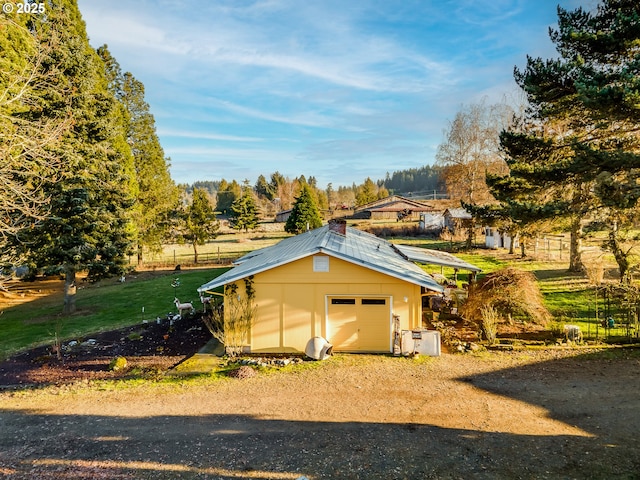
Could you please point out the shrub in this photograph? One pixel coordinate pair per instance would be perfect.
(557, 329)
(231, 323)
(117, 364)
(134, 336)
(490, 321)
(511, 293)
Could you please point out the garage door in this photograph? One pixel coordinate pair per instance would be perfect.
(359, 324)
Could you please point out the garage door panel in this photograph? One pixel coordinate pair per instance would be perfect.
(375, 323)
(359, 323)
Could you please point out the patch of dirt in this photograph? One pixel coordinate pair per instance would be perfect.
(149, 349)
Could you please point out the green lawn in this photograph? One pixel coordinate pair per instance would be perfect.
(103, 306)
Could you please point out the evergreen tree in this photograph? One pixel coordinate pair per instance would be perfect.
(367, 192)
(304, 214)
(580, 150)
(200, 223)
(88, 226)
(244, 212)
(227, 194)
(425, 179)
(263, 188)
(29, 140)
(156, 194)
(276, 183)
(331, 197)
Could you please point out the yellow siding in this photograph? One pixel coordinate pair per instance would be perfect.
(292, 302)
(298, 318)
(265, 332)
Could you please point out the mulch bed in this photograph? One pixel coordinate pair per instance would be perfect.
(150, 349)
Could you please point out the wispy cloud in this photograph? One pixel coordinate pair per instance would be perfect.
(322, 86)
(167, 132)
(309, 119)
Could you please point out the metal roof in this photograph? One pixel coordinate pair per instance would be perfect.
(436, 257)
(357, 247)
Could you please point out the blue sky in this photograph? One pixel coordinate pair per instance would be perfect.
(332, 89)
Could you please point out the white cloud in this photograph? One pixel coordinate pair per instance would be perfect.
(164, 132)
(309, 119)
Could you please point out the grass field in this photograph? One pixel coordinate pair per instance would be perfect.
(103, 306)
(224, 249)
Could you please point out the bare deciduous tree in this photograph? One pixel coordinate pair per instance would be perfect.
(471, 149)
(28, 136)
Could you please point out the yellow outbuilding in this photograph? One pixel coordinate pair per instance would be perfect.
(352, 288)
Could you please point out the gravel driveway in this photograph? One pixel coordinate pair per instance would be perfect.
(548, 414)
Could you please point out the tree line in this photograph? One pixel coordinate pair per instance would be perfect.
(84, 182)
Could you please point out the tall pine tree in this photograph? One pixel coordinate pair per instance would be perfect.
(88, 227)
(244, 212)
(580, 149)
(156, 195)
(200, 223)
(28, 139)
(304, 214)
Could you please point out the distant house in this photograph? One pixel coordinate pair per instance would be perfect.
(456, 219)
(393, 208)
(431, 221)
(283, 216)
(494, 238)
(335, 282)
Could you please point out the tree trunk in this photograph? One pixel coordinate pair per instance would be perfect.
(575, 246)
(69, 290)
(195, 252)
(139, 255)
(622, 258)
(523, 253)
(470, 234)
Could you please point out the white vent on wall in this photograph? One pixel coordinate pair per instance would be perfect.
(321, 263)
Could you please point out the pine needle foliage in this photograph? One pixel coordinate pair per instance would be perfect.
(305, 214)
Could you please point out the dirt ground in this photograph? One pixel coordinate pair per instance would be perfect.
(543, 414)
(150, 350)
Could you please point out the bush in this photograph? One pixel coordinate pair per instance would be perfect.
(231, 323)
(512, 293)
(556, 329)
(490, 321)
(134, 336)
(117, 364)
